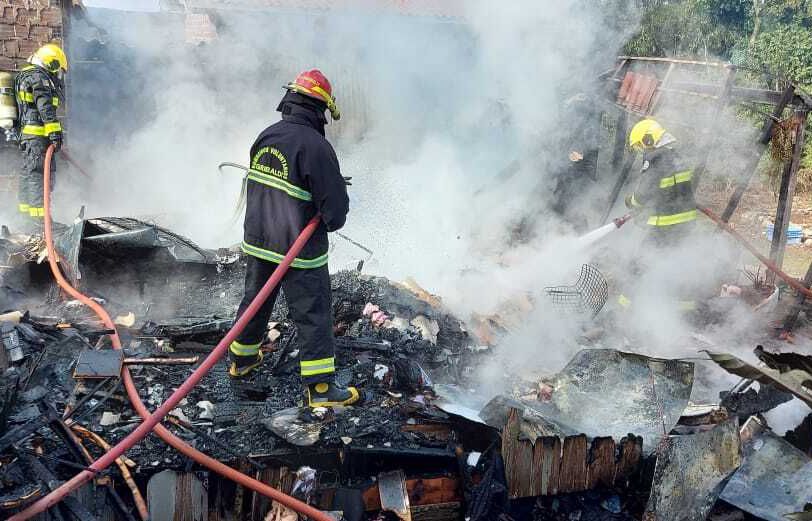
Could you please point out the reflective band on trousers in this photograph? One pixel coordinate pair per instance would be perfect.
(322, 366)
(280, 184)
(40, 130)
(679, 177)
(668, 220)
(272, 256)
(243, 349)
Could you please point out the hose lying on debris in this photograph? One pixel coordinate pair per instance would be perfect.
(791, 281)
(152, 422)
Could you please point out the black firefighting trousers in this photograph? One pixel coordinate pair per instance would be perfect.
(31, 185)
(309, 299)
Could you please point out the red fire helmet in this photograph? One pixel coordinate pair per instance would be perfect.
(314, 84)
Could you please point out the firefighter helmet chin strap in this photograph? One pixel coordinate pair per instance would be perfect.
(321, 94)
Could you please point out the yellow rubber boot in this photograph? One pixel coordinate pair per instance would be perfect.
(330, 395)
(243, 365)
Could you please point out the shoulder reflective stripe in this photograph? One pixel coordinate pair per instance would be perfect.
(243, 349)
(55, 101)
(279, 184)
(679, 177)
(272, 256)
(314, 367)
(25, 96)
(34, 130)
(50, 128)
(668, 220)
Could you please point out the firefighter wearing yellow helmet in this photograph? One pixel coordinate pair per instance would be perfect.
(39, 88)
(664, 198)
(665, 190)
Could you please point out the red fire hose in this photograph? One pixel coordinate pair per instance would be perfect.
(152, 421)
(791, 281)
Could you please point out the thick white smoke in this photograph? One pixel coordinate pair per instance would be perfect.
(451, 130)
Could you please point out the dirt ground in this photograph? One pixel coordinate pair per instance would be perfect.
(756, 211)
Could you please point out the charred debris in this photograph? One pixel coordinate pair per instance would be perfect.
(611, 436)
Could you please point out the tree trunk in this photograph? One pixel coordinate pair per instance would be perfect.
(756, 22)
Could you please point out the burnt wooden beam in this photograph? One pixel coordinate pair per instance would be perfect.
(547, 457)
(573, 473)
(673, 60)
(755, 157)
(737, 94)
(787, 191)
(518, 457)
(602, 463)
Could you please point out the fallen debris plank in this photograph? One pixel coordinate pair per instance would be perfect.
(573, 474)
(631, 453)
(422, 492)
(691, 471)
(393, 494)
(518, 457)
(279, 478)
(438, 512)
(547, 461)
(177, 496)
(602, 463)
(775, 479)
(795, 381)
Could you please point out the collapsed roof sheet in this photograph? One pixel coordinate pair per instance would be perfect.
(775, 479)
(787, 371)
(603, 392)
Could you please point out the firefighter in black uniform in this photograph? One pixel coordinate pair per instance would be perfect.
(665, 194)
(294, 175)
(38, 87)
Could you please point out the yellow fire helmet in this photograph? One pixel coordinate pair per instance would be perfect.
(50, 57)
(645, 134)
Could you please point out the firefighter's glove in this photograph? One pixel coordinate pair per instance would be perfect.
(628, 201)
(347, 181)
(56, 140)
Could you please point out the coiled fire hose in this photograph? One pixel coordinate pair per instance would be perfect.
(791, 281)
(152, 421)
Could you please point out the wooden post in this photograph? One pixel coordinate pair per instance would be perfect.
(788, 181)
(752, 163)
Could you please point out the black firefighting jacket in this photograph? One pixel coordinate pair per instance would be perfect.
(665, 188)
(294, 175)
(37, 101)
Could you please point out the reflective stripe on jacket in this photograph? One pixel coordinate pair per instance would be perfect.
(665, 188)
(294, 175)
(37, 101)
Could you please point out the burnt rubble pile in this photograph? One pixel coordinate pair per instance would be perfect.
(611, 436)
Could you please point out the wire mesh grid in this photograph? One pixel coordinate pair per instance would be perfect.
(587, 296)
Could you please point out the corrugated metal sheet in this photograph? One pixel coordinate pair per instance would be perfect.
(637, 91)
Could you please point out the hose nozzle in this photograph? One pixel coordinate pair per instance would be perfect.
(620, 221)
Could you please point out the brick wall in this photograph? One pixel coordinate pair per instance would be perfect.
(24, 26)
